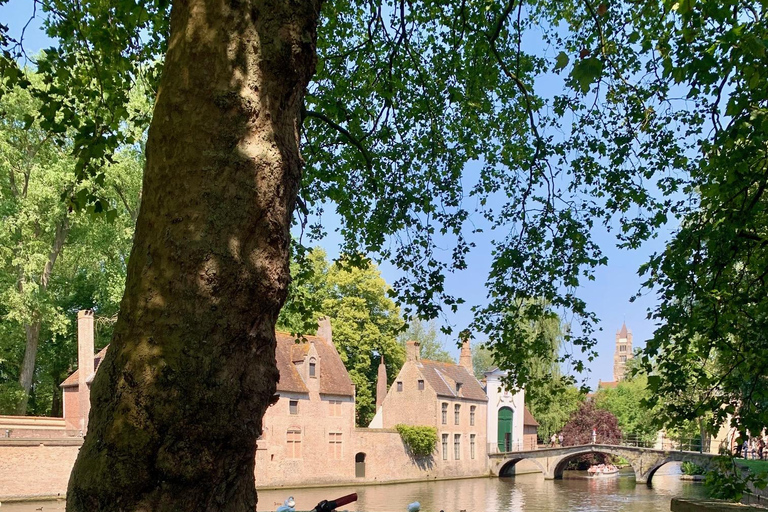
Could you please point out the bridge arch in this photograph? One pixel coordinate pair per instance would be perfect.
(552, 461)
(508, 468)
(656, 467)
(557, 472)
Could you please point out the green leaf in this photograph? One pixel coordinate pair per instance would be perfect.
(586, 72)
(561, 61)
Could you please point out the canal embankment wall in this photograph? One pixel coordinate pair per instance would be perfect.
(372, 456)
(40, 468)
(36, 468)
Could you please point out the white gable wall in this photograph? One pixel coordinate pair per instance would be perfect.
(498, 397)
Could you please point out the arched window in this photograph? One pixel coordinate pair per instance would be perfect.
(312, 368)
(360, 465)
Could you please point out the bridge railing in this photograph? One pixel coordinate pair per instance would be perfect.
(660, 443)
(509, 446)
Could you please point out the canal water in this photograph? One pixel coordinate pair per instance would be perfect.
(523, 493)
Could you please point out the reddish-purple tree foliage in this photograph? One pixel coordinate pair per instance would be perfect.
(578, 430)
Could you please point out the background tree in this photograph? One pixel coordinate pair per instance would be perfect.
(579, 428)
(53, 260)
(710, 277)
(482, 360)
(554, 412)
(365, 322)
(628, 403)
(431, 345)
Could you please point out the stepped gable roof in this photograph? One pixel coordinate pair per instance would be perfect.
(72, 380)
(334, 379)
(528, 419)
(442, 377)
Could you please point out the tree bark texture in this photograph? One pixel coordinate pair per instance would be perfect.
(178, 401)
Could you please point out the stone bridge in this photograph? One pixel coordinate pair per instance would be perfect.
(552, 461)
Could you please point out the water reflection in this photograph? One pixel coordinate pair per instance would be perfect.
(523, 493)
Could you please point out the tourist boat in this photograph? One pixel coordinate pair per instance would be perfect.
(601, 470)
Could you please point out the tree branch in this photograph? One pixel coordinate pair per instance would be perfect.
(351, 138)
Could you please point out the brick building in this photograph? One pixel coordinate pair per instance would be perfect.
(311, 427)
(448, 397)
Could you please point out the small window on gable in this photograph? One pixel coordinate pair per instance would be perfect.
(458, 387)
(293, 407)
(399, 386)
(312, 368)
(421, 385)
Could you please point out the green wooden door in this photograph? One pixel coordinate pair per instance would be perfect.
(505, 429)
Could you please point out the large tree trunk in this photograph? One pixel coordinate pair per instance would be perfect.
(178, 401)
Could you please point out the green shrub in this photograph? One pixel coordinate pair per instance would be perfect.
(726, 480)
(689, 468)
(418, 439)
(11, 395)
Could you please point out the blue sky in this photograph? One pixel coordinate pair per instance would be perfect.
(608, 295)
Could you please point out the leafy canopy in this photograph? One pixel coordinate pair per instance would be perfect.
(428, 122)
(55, 260)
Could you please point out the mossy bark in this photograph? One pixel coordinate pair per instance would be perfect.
(178, 401)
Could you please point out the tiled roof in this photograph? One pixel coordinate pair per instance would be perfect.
(334, 379)
(72, 380)
(442, 377)
(528, 419)
(608, 384)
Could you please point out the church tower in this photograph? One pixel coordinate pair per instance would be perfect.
(623, 352)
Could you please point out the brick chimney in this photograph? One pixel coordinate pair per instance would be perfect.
(84, 363)
(465, 359)
(324, 329)
(381, 383)
(412, 349)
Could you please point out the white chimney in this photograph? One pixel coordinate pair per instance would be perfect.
(84, 363)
